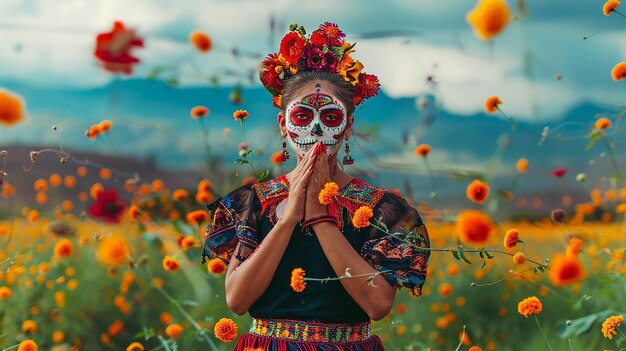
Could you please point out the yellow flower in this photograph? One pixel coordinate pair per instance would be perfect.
(491, 104)
(351, 73)
(529, 306)
(361, 218)
(226, 330)
(328, 192)
(488, 18)
(113, 251)
(610, 324)
(297, 280)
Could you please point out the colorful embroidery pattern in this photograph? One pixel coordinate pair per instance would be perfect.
(302, 331)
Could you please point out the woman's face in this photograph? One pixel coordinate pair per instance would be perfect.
(315, 114)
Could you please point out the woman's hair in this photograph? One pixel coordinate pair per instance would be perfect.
(342, 88)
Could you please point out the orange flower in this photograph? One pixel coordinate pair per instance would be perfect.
(491, 104)
(171, 263)
(619, 71)
(11, 108)
(511, 238)
(63, 248)
(474, 227)
(216, 266)
(204, 197)
(58, 336)
(519, 258)
(297, 280)
(488, 18)
(603, 123)
(445, 289)
(5, 292)
(240, 115)
(610, 324)
(573, 247)
(201, 41)
(133, 212)
(422, 150)
(609, 7)
(328, 192)
(522, 165)
(165, 318)
(475, 348)
(621, 208)
(225, 330)
(27, 345)
(29, 326)
(135, 346)
(566, 270)
(188, 241)
(477, 191)
(361, 218)
(113, 251)
(199, 112)
(277, 158)
(40, 185)
(174, 330)
(197, 216)
(529, 306)
(105, 126)
(180, 194)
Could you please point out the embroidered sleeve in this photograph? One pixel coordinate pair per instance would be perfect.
(401, 252)
(233, 221)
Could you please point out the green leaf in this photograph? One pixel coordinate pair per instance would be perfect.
(487, 254)
(462, 254)
(482, 254)
(456, 255)
(263, 175)
(582, 325)
(241, 161)
(484, 263)
(155, 72)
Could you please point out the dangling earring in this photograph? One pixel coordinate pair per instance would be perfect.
(284, 155)
(347, 159)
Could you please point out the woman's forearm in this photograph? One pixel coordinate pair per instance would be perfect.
(377, 300)
(246, 281)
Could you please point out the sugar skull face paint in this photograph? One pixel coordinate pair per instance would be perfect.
(316, 117)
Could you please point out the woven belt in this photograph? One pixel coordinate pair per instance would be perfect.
(303, 331)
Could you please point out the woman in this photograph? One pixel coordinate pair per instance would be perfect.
(264, 231)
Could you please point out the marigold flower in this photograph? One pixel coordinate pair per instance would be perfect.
(216, 266)
(188, 241)
(610, 6)
(603, 123)
(226, 330)
(610, 324)
(519, 258)
(174, 330)
(491, 104)
(197, 216)
(619, 71)
(199, 112)
(529, 306)
(474, 227)
(133, 212)
(113, 251)
(201, 41)
(29, 326)
(58, 336)
(105, 126)
(297, 280)
(277, 158)
(11, 108)
(27, 345)
(240, 115)
(566, 270)
(291, 47)
(361, 218)
(5, 292)
(477, 191)
(522, 165)
(621, 208)
(445, 289)
(135, 346)
(573, 247)
(328, 192)
(171, 263)
(488, 18)
(204, 197)
(63, 248)
(511, 238)
(423, 150)
(475, 348)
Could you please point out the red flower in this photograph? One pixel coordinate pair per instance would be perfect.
(328, 34)
(108, 206)
(559, 172)
(269, 77)
(113, 49)
(367, 87)
(291, 47)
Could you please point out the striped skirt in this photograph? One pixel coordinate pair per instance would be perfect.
(295, 335)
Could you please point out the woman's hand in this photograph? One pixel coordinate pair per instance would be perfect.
(321, 176)
(298, 181)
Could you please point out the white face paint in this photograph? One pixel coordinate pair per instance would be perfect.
(316, 117)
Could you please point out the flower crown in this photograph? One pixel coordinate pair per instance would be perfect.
(324, 50)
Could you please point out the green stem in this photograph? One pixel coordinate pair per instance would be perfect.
(461, 341)
(243, 131)
(569, 335)
(432, 176)
(542, 333)
(346, 276)
(164, 343)
(608, 146)
(205, 140)
(11, 347)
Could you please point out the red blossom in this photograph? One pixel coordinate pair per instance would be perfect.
(269, 77)
(291, 47)
(113, 49)
(328, 34)
(108, 206)
(367, 87)
(559, 172)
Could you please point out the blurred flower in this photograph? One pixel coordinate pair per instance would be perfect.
(5, 292)
(511, 238)
(609, 7)
(188, 241)
(225, 330)
(171, 263)
(474, 227)
(529, 306)
(240, 115)
(361, 218)
(243, 146)
(488, 18)
(621, 208)
(328, 192)
(558, 215)
(477, 191)
(619, 71)
(204, 197)
(297, 280)
(58, 336)
(204, 185)
(475, 348)
(108, 206)
(197, 217)
(201, 41)
(199, 112)
(277, 158)
(11, 108)
(135, 346)
(113, 251)
(580, 177)
(522, 165)
(63, 248)
(610, 324)
(165, 318)
(559, 172)
(216, 266)
(174, 330)
(96, 129)
(519, 258)
(29, 326)
(566, 270)
(603, 123)
(227, 131)
(445, 289)
(491, 104)
(27, 345)
(60, 229)
(423, 150)
(574, 246)
(113, 49)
